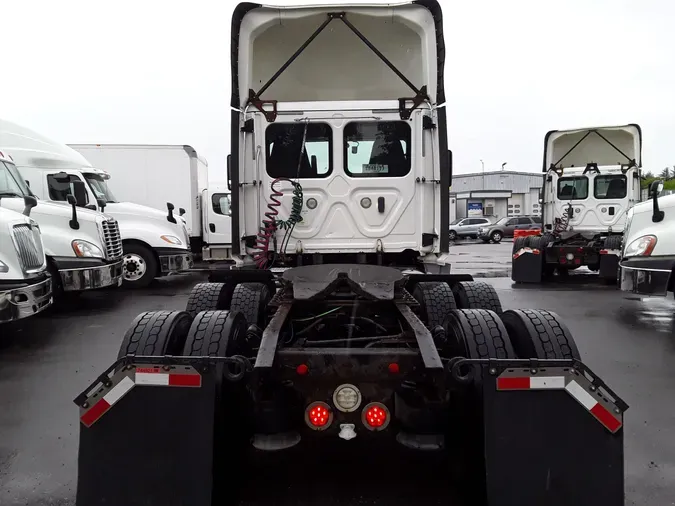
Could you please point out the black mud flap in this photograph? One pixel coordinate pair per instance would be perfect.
(527, 265)
(609, 265)
(552, 438)
(146, 437)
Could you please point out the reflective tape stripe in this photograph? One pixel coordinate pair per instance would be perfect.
(547, 382)
(522, 251)
(119, 390)
(95, 412)
(160, 378)
(581, 395)
(143, 378)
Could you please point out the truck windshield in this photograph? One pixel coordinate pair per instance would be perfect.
(573, 188)
(100, 187)
(11, 184)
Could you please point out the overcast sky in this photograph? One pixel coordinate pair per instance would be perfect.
(149, 71)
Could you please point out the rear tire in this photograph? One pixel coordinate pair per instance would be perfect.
(252, 299)
(436, 301)
(536, 333)
(156, 333)
(209, 297)
(518, 244)
(478, 333)
(613, 242)
(476, 295)
(139, 266)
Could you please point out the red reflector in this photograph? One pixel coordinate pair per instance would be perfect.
(513, 383)
(581, 250)
(96, 412)
(563, 260)
(302, 369)
(605, 417)
(376, 417)
(577, 261)
(185, 380)
(393, 368)
(318, 415)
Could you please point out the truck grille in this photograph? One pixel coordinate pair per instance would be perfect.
(113, 240)
(29, 247)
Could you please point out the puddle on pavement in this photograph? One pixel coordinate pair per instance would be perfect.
(651, 313)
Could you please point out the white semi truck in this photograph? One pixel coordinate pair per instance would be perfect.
(83, 247)
(648, 252)
(592, 177)
(25, 284)
(365, 339)
(155, 243)
(137, 173)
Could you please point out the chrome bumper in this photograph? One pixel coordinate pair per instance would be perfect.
(176, 263)
(645, 281)
(25, 301)
(91, 278)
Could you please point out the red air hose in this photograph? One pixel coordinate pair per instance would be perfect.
(269, 226)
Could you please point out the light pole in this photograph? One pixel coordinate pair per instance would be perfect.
(483, 164)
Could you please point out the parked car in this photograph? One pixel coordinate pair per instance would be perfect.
(466, 227)
(507, 226)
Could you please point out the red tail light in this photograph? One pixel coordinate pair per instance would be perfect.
(318, 415)
(375, 416)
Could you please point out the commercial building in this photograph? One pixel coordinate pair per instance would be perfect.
(495, 194)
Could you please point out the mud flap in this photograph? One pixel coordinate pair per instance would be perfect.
(551, 438)
(147, 437)
(527, 266)
(609, 265)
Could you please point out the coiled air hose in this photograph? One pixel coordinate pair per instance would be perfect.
(266, 233)
(562, 224)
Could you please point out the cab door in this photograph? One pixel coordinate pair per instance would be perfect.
(217, 216)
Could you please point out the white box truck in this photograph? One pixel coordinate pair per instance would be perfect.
(156, 174)
(155, 243)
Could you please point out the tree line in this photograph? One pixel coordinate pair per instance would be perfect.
(667, 174)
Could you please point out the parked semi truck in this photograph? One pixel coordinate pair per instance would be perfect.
(648, 253)
(591, 180)
(155, 243)
(365, 332)
(83, 248)
(25, 284)
(138, 171)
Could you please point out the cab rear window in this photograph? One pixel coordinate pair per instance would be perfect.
(284, 145)
(377, 148)
(573, 188)
(610, 187)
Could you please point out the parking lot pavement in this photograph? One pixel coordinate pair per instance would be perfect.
(484, 260)
(47, 361)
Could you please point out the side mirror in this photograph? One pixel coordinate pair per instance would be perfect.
(101, 203)
(80, 192)
(314, 164)
(655, 188)
(170, 207)
(29, 203)
(73, 203)
(181, 211)
(229, 172)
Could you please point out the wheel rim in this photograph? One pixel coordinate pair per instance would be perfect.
(496, 236)
(453, 236)
(134, 267)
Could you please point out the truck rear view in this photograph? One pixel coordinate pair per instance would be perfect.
(341, 320)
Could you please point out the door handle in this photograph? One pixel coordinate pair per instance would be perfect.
(380, 204)
(212, 227)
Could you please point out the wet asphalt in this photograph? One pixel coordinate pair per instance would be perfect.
(46, 361)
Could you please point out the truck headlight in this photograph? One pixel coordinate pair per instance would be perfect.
(171, 239)
(86, 249)
(3, 267)
(641, 247)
